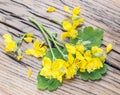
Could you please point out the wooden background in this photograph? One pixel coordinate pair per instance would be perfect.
(14, 15)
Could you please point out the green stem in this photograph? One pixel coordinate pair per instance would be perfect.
(40, 27)
(61, 45)
(59, 41)
(64, 56)
(19, 42)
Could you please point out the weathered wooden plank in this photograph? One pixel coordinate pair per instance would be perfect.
(14, 20)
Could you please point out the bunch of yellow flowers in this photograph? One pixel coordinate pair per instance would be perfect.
(70, 25)
(81, 55)
(87, 60)
(77, 59)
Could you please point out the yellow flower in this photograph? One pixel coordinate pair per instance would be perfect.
(76, 11)
(70, 27)
(10, 45)
(71, 49)
(90, 60)
(58, 69)
(96, 50)
(19, 57)
(53, 70)
(70, 30)
(88, 55)
(70, 34)
(73, 33)
(66, 9)
(38, 50)
(94, 64)
(109, 48)
(66, 25)
(46, 69)
(79, 56)
(72, 67)
(65, 35)
(50, 9)
(29, 73)
(7, 36)
(28, 37)
(77, 22)
(80, 48)
(83, 65)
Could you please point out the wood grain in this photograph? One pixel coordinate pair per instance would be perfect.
(14, 16)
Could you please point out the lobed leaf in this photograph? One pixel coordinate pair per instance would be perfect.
(45, 83)
(96, 75)
(94, 36)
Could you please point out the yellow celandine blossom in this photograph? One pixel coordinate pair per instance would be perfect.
(70, 27)
(54, 69)
(67, 9)
(98, 52)
(109, 48)
(80, 48)
(77, 22)
(28, 37)
(50, 9)
(76, 11)
(94, 64)
(38, 50)
(29, 73)
(10, 45)
(88, 60)
(70, 34)
(70, 30)
(71, 49)
(19, 57)
(66, 25)
(72, 67)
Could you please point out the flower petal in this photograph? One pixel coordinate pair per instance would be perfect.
(50, 9)
(29, 73)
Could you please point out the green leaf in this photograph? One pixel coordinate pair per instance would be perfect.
(45, 83)
(84, 76)
(94, 36)
(56, 53)
(42, 82)
(96, 75)
(65, 51)
(104, 69)
(74, 41)
(54, 85)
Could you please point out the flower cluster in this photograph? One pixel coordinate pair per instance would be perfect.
(10, 44)
(39, 49)
(70, 25)
(77, 59)
(87, 60)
